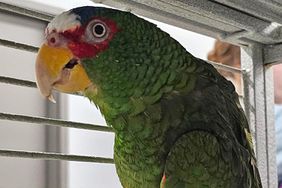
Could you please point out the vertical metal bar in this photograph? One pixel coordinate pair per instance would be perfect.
(248, 99)
(270, 126)
(56, 171)
(63, 142)
(258, 90)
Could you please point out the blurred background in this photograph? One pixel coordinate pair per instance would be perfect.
(26, 173)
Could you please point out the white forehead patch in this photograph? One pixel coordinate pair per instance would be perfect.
(63, 22)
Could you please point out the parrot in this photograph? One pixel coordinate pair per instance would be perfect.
(177, 122)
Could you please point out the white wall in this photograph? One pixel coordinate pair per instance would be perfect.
(20, 173)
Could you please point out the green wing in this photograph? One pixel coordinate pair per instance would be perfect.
(199, 160)
(215, 151)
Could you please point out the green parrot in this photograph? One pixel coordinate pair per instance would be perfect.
(177, 122)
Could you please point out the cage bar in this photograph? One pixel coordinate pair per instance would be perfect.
(53, 122)
(19, 46)
(260, 103)
(54, 156)
(18, 82)
(12, 9)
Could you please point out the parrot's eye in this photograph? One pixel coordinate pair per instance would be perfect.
(97, 31)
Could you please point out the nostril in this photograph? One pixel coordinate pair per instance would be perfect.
(52, 40)
(71, 64)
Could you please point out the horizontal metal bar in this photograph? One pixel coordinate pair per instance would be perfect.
(229, 69)
(163, 16)
(206, 13)
(217, 11)
(26, 12)
(17, 45)
(53, 122)
(24, 83)
(226, 67)
(235, 35)
(15, 81)
(273, 54)
(261, 9)
(276, 3)
(54, 156)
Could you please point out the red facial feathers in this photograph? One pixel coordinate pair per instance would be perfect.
(81, 47)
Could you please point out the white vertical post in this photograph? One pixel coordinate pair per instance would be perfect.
(56, 141)
(259, 101)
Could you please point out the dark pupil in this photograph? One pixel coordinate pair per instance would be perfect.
(99, 30)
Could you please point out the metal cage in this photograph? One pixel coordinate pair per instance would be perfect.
(255, 25)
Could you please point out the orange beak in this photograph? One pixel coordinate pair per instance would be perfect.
(57, 68)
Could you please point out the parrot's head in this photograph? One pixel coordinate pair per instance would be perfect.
(71, 37)
(112, 54)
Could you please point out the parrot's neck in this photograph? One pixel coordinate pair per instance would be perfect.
(138, 136)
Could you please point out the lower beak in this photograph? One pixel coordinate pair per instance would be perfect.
(57, 68)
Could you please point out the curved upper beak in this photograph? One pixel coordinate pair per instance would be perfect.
(57, 68)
